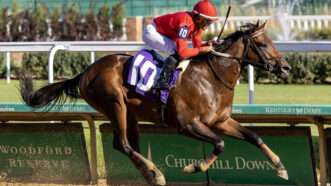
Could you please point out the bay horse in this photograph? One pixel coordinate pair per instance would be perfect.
(199, 106)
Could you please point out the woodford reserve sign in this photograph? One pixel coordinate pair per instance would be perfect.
(241, 163)
(49, 153)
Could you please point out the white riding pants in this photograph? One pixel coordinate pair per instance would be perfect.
(156, 41)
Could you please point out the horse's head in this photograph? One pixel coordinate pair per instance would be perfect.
(259, 50)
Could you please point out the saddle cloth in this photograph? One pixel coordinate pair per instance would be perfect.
(144, 72)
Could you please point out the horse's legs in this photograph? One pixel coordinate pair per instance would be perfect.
(132, 134)
(200, 131)
(118, 116)
(232, 128)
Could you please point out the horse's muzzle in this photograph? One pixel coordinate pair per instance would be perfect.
(285, 70)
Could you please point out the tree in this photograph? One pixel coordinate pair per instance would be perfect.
(55, 24)
(117, 15)
(69, 24)
(38, 22)
(4, 23)
(103, 23)
(91, 26)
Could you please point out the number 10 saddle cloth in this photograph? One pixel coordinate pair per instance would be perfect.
(144, 71)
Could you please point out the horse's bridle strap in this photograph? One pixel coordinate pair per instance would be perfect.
(224, 82)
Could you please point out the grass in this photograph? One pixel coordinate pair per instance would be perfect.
(10, 92)
(264, 94)
(285, 94)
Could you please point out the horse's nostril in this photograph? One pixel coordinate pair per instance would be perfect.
(286, 67)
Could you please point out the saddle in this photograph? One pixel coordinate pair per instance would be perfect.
(144, 71)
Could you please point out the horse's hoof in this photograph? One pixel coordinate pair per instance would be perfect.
(154, 177)
(283, 174)
(159, 178)
(196, 167)
(190, 169)
(160, 181)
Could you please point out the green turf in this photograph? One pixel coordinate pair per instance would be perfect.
(10, 92)
(273, 94)
(287, 94)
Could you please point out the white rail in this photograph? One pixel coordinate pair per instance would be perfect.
(303, 23)
(53, 47)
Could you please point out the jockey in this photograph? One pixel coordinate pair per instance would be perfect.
(169, 33)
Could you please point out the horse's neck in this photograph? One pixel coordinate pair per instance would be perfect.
(230, 68)
(229, 71)
(216, 69)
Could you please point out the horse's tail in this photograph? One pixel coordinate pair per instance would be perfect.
(49, 95)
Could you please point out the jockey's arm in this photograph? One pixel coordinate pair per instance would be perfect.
(185, 52)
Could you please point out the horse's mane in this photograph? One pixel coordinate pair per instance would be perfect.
(246, 29)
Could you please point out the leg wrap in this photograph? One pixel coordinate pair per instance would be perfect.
(219, 148)
(252, 138)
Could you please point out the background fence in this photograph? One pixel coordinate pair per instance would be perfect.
(151, 7)
(53, 47)
(302, 23)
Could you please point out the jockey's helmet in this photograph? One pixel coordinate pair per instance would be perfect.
(205, 9)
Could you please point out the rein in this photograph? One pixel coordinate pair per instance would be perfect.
(249, 43)
(225, 83)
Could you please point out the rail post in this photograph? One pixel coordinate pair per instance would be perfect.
(322, 153)
(93, 150)
(8, 67)
(250, 84)
(51, 61)
(92, 57)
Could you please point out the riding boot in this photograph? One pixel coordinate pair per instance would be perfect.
(169, 67)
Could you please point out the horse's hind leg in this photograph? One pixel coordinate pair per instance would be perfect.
(232, 128)
(132, 134)
(200, 131)
(118, 116)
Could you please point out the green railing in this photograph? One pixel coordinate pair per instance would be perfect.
(256, 109)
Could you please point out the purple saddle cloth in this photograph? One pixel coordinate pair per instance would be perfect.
(144, 71)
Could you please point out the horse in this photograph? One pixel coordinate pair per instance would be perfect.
(199, 105)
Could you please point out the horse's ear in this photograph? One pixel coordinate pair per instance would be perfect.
(264, 24)
(257, 23)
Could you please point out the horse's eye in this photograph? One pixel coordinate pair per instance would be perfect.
(262, 45)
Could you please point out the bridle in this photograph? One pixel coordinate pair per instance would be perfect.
(249, 43)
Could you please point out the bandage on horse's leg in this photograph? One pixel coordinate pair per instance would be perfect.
(232, 128)
(199, 131)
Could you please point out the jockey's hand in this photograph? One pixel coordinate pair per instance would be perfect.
(214, 42)
(206, 49)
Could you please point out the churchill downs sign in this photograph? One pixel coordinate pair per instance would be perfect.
(241, 163)
(51, 153)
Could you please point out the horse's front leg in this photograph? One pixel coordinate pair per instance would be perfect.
(200, 131)
(232, 128)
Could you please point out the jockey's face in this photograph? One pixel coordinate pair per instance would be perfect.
(202, 22)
